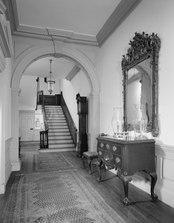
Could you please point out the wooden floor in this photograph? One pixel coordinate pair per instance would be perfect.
(141, 210)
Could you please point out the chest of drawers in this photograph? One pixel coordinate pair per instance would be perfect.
(127, 157)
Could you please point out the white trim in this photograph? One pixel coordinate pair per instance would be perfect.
(2, 8)
(72, 73)
(2, 189)
(16, 165)
(121, 12)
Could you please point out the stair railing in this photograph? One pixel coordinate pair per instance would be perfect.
(44, 133)
(71, 124)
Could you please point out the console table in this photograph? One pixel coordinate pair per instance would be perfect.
(127, 157)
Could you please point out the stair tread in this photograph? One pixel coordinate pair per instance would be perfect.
(58, 135)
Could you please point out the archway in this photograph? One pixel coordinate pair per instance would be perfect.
(32, 54)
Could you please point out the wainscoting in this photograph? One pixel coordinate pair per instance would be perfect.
(8, 166)
(165, 172)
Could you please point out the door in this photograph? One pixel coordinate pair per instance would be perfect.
(26, 125)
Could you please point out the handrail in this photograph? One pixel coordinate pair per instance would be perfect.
(44, 133)
(44, 117)
(39, 98)
(71, 124)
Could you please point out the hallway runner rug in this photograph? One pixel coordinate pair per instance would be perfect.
(58, 197)
(51, 162)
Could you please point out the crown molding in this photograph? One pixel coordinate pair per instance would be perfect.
(121, 12)
(72, 73)
(5, 38)
(2, 7)
(59, 35)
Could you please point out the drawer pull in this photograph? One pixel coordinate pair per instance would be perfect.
(100, 153)
(101, 145)
(114, 148)
(117, 159)
(106, 157)
(107, 146)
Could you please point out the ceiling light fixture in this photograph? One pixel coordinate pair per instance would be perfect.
(50, 80)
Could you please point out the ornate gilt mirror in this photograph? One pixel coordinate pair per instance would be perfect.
(140, 80)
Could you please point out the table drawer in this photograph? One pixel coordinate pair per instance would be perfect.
(114, 148)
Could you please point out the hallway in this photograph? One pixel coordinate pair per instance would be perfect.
(111, 189)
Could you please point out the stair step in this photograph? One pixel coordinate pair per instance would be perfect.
(52, 133)
(57, 126)
(56, 119)
(54, 114)
(60, 141)
(61, 146)
(59, 137)
(63, 128)
(57, 123)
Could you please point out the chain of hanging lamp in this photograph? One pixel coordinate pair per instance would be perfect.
(51, 80)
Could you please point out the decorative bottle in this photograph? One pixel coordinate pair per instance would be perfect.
(117, 121)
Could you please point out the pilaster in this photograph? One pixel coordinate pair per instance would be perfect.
(15, 131)
(94, 124)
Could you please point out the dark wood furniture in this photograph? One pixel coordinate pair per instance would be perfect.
(82, 110)
(128, 157)
(91, 159)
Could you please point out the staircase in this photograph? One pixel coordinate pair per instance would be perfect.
(59, 136)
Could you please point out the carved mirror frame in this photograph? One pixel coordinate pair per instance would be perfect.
(142, 47)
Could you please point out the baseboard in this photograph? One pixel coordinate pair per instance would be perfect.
(165, 178)
(2, 189)
(165, 195)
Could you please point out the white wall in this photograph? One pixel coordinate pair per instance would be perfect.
(79, 84)
(28, 89)
(5, 125)
(150, 16)
(69, 95)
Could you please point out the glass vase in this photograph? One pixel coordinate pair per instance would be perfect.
(140, 126)
(117, 122)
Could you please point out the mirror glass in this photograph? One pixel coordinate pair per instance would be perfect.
(139, 92)
(140, 82)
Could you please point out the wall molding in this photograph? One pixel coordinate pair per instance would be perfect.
(72, 73)
(2, 7)
(121, 12)
(165, 166)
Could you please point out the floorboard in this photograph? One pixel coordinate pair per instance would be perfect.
(141, 210)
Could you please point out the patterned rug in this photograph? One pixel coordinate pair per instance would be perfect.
(58, 197)
(51, 162)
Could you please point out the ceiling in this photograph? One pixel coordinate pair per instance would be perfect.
(88, 22)
(60, 67)
(85, 17)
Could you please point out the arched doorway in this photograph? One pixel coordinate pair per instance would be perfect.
(32, 54)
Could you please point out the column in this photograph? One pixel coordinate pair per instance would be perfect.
(94, 121)
(15, 131)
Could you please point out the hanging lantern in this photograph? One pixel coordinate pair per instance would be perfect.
(50, 80)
